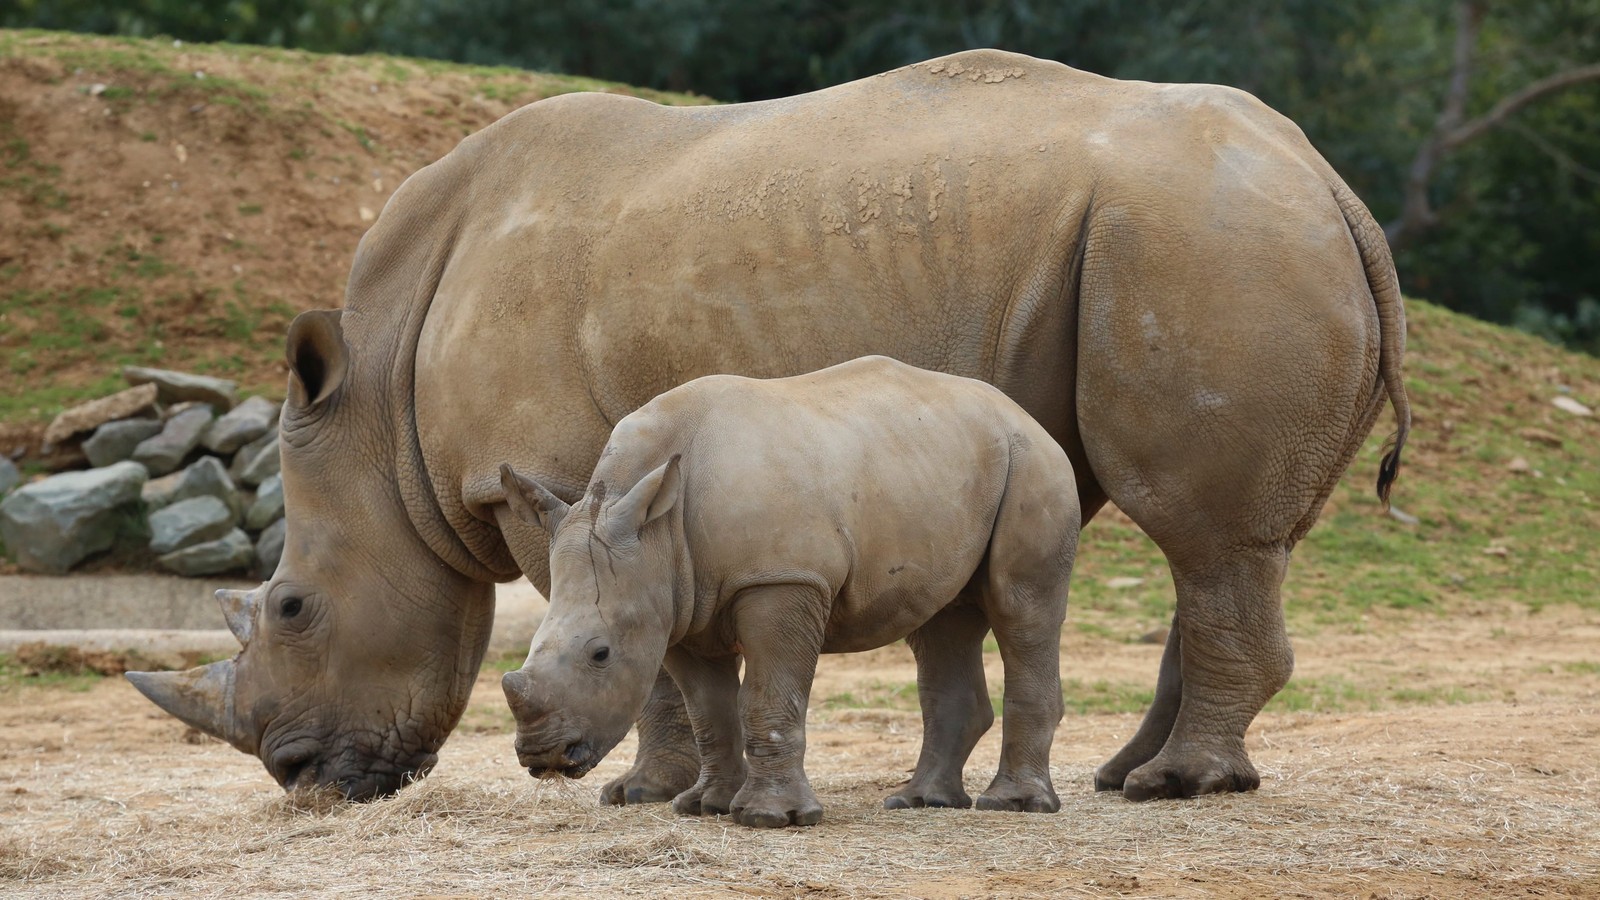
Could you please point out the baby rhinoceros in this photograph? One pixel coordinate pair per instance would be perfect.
(779, 519)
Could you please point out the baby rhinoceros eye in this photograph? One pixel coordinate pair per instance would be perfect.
(291, 607)
(601, 654)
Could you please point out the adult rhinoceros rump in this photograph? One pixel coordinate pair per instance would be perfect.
(1168, 277)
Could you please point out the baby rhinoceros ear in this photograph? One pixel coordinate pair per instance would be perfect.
(530, 501)
(650, 499)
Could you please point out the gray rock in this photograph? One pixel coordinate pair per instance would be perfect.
(269, 549)
(51, 525)
(231, 551)
(206, 478)
(114, 441)
(247, 453)
(166, 451)
(265, 464)
(89, 416)
(9, 476)
(173, 387)
(189, 522)
(268, 507)
(241, 425)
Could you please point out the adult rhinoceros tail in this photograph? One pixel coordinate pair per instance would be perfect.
(1385, 287)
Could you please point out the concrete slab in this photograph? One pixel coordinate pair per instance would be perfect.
(161, 614)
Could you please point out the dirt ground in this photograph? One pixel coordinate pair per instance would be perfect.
(103, 795)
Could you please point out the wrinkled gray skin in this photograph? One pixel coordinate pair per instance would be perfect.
(836, 511)
(1167, 277)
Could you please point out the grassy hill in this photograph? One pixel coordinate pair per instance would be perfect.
(177, 205)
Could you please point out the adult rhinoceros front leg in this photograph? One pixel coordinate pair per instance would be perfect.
(667, 763)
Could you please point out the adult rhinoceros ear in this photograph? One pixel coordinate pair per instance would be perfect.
(530, 501)
(318, 357)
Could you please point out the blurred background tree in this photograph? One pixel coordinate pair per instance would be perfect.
(1470, 127)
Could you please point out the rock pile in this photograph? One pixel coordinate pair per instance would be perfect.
(173, 456)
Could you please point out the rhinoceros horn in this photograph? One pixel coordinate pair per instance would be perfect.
(239, 608)
(202, 697)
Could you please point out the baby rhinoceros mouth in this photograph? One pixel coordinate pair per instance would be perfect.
(564, 758)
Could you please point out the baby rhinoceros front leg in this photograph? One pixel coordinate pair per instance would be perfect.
(780, 629)
(710, 694)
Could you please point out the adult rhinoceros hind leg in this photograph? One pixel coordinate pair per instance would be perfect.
(1152, 734)
(667, 763)
(1234, 659)
(955, 705)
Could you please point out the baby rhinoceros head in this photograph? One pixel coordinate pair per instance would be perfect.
(615, 573)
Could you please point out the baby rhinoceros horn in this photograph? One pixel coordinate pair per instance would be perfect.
(202, 697)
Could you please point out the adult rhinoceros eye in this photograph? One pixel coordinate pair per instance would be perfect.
(291, 607)
(601, 655)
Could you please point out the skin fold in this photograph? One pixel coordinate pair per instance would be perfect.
(1168, 278)
(776, 520)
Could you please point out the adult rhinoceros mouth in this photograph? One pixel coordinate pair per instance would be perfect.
(377, 785)
(297, 767)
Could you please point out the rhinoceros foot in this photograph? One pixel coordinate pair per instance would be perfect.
(650, 781)
(1189, 774)
(1014, 795)
(708, 797)
(931, 796)
(776, 806)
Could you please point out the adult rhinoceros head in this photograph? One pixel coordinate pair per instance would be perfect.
(360, 652)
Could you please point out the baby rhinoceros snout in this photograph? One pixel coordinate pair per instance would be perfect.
(547, 742)
(518, 686)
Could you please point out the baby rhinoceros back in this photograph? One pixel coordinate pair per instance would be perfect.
(778, 519)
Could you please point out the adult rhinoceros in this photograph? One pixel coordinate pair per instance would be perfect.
(1168, 277)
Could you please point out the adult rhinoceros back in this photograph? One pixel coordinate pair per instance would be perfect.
(1168, 277)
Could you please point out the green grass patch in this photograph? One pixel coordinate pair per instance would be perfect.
(505, 662)
(15, 675)
(1328, 694)
(45, 401)
(1101, 696)
(876, 694)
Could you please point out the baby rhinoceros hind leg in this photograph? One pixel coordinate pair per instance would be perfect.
(1031, 553)
(955, 704)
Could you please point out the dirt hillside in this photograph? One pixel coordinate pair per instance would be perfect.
(176, 205)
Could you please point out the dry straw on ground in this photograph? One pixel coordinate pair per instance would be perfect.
(101, 796)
